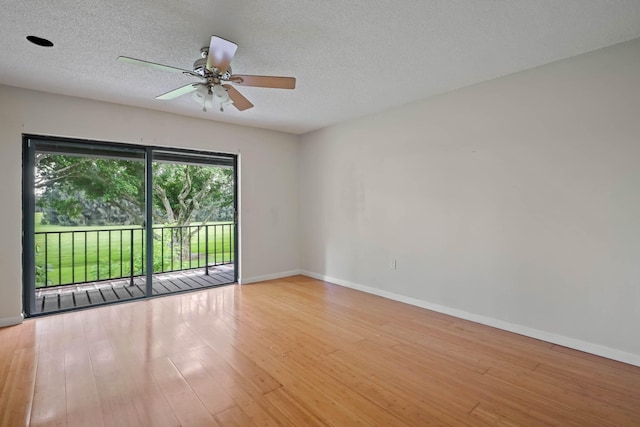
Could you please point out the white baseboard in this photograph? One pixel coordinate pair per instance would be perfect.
(10, 321)
(269, 277)
(599, 350)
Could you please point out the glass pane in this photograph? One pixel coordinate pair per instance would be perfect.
(89, 229)
(193, 222)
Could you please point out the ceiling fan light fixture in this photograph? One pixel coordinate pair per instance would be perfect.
(220, 96)
(203, 96)
(200, 93)
(207, 96)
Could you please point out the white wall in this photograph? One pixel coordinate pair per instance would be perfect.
(514, 202)
(268, 201)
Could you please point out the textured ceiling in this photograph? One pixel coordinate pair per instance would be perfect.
(351, 58)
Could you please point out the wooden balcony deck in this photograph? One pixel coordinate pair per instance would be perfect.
(107, 291)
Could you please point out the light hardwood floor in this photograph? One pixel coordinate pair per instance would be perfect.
(297, 352)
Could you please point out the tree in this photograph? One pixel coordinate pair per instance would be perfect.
(66, 183)
(186, 191)
(55, 168)
(66, 206)
(182, 193)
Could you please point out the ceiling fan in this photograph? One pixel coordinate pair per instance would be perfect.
(214, 71)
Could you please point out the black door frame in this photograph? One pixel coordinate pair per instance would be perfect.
(32, 143)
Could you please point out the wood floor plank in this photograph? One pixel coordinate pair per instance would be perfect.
(604, 410)
(9, 337)
(436, 385)
(223, 346)
(116, 398)
(185, 404)
(82, 399)
(627, 387)
(293, 411)
(17, 393)
(234, 417)
(177, 338)
(334, 392)
(151, 405)
(49, 400)
(487, 414)
(244, 392)
(384, 389)
(586, 357)
(296, 351)
(212, 395)
(454, 343)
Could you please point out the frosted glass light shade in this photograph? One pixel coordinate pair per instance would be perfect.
(208, 96)
(202, 97)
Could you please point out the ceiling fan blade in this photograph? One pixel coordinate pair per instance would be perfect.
(179, 92)
(264, 81)
(239, 101)
(221, 53)
(157, 66)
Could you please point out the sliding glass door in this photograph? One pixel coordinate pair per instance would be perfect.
(108, 222)
(194, 221)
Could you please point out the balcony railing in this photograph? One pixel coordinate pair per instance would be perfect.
(82, 256)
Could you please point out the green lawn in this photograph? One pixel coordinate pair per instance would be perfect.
(89, 253)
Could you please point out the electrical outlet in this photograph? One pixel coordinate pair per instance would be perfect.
(394, 265)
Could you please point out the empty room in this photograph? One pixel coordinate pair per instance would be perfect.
(331, 213)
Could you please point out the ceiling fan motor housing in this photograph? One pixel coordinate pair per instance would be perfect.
(200, 66)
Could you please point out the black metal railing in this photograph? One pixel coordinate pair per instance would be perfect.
(82, 256)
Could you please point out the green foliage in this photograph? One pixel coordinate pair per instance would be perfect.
(74, 208)
(75, 190)
(42, 273)
(187, 193)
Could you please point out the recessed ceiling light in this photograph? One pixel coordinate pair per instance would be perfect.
(39, 41)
